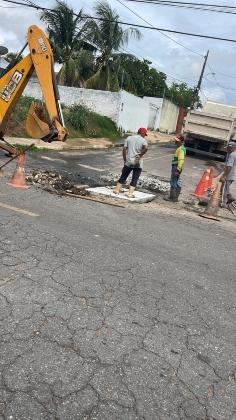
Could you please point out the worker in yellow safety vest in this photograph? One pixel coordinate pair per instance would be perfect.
(176, 169)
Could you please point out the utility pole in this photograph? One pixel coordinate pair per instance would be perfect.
(197, 89)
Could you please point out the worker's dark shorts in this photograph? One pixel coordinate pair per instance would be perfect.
(135, 175)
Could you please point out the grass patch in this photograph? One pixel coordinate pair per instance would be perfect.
(22, 148)
(16, 123)
(79, 120)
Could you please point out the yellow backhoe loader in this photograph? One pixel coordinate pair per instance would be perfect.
(13, 80)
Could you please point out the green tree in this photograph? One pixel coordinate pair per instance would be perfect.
(67, 33)
(182, 95)
(141, 79)
(109, 37)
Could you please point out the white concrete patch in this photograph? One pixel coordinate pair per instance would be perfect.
(139, 197)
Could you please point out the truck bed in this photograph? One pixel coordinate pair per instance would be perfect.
(215, 128)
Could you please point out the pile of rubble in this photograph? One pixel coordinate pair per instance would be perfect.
(55, 183)
(154, 183)
(151, 182)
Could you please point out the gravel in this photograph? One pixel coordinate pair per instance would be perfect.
(151, 182)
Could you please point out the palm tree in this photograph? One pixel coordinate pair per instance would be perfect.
(67, 33)
(109, 37)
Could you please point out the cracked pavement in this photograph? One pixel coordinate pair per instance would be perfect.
(109, 313)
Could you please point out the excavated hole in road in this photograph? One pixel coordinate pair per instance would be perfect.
(53, 182)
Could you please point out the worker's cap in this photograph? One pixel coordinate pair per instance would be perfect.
(142, 130)
(179, 138)
(231, 144)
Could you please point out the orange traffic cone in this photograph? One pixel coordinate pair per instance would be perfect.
(203, 184)
(210, 181)
(18, 177)
(213, 205)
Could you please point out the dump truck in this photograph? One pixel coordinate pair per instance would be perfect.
(208, 131)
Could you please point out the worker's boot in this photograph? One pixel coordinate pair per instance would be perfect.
(117, 189)
(175, 195)
(131, 192)
(178, 191)
(171, 196)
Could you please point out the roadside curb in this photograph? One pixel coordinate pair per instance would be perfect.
(93, 147)
(59, 146)
(67, 146)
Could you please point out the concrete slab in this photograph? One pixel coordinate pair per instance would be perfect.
(139, 197)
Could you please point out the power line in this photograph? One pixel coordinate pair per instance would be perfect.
(13, 7)
(140, 17)
(213, 75)
(216, 38)
(184, 6)
(167, 36)
(225, 88)
(37, 7)
(175, 78)
(226, 75)
(190, 3)
(220, 85)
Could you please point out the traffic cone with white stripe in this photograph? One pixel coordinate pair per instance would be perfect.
(204, 183)
(213, 205)
(18, 177)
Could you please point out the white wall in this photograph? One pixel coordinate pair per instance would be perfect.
(158, 103)
(134, 112)
(104, 103)
(128, 111)
(169, 116)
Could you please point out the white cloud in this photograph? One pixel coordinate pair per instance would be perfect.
(14, 24)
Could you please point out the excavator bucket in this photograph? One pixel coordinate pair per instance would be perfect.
(36, 124)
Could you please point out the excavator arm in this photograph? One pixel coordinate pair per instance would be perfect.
(15, 79)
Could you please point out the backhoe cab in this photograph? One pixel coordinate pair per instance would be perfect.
(13, 80)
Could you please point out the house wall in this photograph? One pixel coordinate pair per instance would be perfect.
(102, 102)
(158, 103)
(128, 111)
(169, 117)
(134, 112)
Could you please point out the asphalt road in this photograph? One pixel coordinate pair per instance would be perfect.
(91, 164)
(110, 313)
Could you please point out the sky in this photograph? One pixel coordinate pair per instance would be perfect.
(219, 82)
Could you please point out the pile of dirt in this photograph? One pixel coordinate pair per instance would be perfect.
(55, 183)
(147, 182)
